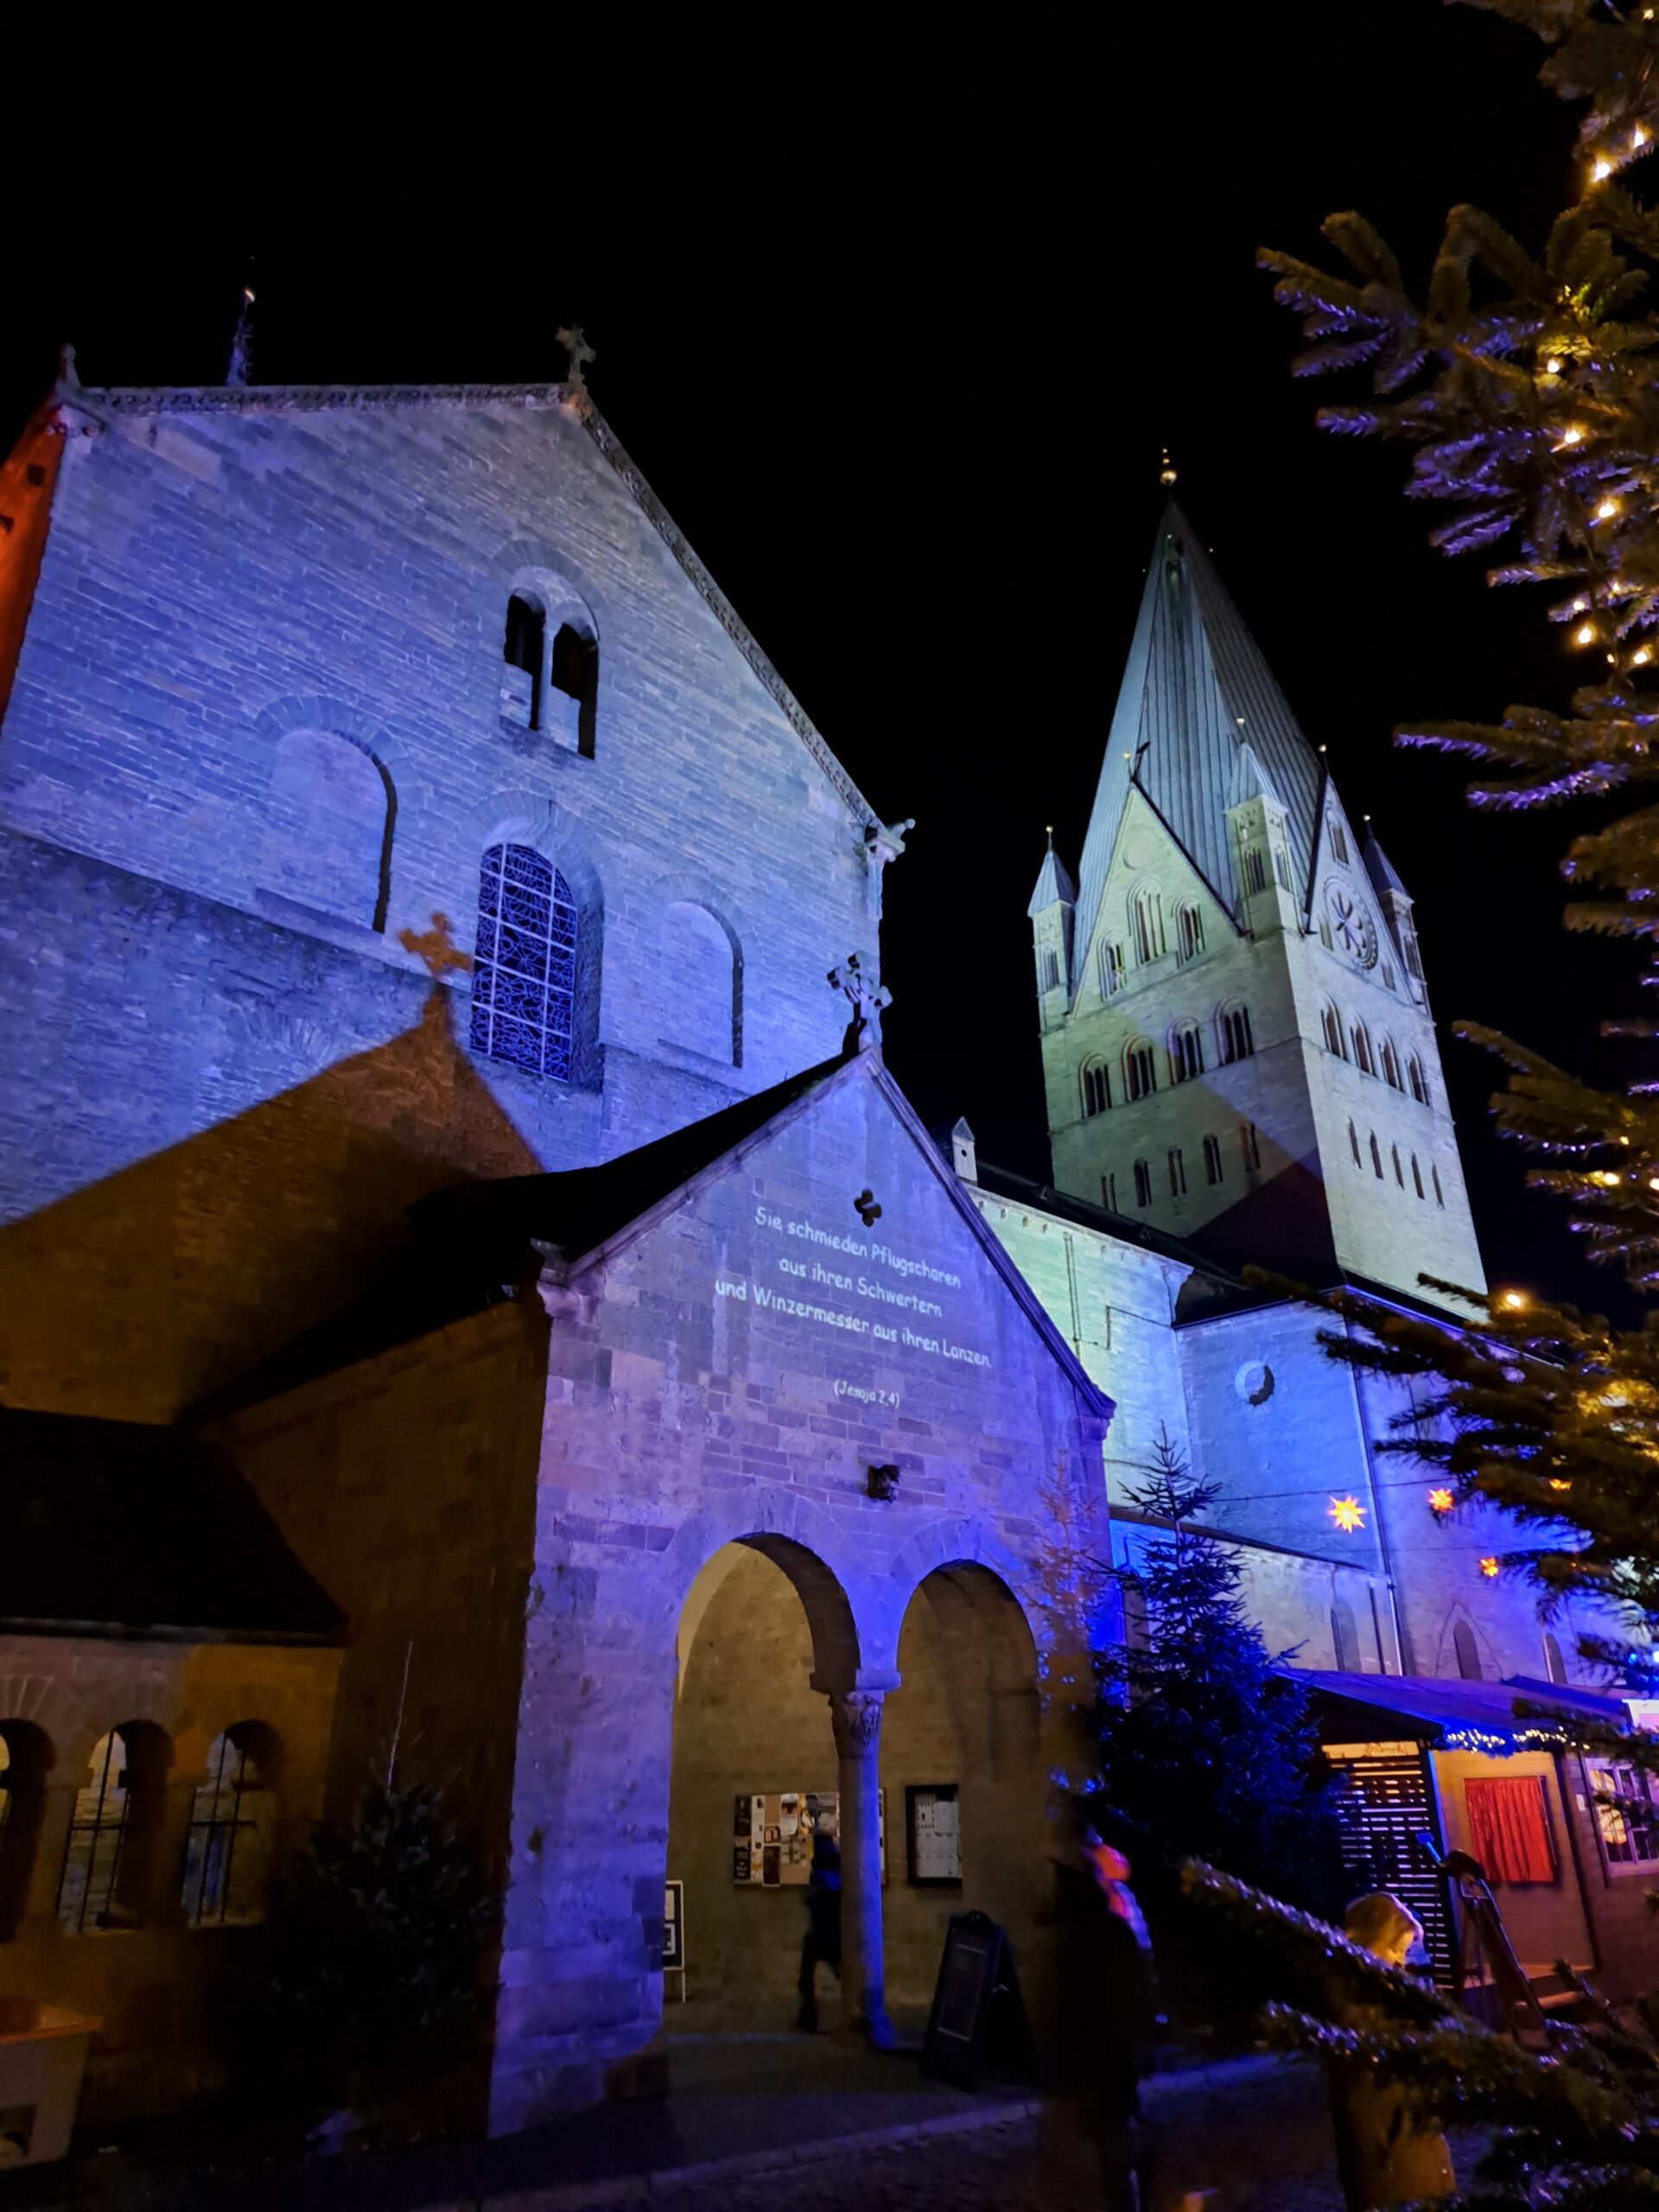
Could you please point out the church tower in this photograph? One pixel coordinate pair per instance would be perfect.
(1238, 1046)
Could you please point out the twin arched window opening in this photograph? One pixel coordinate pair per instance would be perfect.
(1096, 1089)
(1186, 1052)
(1140, 1070)
(1189, 933)
(549, 684)
(1147, 925)
(1237, 1041)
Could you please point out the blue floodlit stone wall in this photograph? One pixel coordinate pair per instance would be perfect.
(262, 723)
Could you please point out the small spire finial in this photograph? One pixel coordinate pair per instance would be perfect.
(1166, 473)
(68, 375)
(236, 372)
(581, 352)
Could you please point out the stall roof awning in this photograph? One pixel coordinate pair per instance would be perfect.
(1452, 1716)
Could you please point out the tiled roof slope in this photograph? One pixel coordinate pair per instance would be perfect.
(1195, 689)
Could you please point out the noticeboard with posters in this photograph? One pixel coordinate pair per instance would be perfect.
(773, 1832)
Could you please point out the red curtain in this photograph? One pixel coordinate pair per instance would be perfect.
(1509, 1828)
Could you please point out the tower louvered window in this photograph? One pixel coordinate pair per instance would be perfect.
(1051, 971)
(525, 970)
(1236, 1042)
(1255, 874)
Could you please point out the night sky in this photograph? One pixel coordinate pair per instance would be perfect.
(897, 331)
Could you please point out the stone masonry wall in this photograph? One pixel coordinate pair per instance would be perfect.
(682, 1415)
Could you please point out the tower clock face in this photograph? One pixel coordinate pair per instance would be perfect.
(1350, 925)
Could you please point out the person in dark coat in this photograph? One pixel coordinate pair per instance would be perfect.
(1106, 2010)
(822, 1943)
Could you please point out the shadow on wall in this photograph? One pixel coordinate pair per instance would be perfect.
(144, 1293)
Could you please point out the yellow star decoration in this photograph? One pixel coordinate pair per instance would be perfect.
(1489, 1565)
(1441, 1500)
(1348, 1514)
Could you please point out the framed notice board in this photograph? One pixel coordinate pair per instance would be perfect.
(674, 1928)
(934, 1835)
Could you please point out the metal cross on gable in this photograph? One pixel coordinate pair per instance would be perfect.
(867, 1000)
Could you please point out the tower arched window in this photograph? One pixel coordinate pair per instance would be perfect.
(1212, 1159)
(1237, 1041)
(1143, 1184)
(525, 968)
(525, 649)
(1390, 1063)
(328, 839)
(701, 962)
(233, 1834)
(1111, 968)
(1362, 1060)
(1353, 1145)
(1189, 933)
(1435, 1178)
(1250, 1146)
(1339, 844)
(1176, 1172)
(1468, 1653)
(1186, 1052)
(1399, 1174)
(1417, 1175)
(1377, 1157)
(1554, 1665)
(1140, 1070)
(1417, 1080)
(1096, 1089)
(1256, 872)
(1330, 1022)
(1146, 923)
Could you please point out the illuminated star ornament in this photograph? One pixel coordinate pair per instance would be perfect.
(1489, 1565)
(1348, 1514)
(1441, 1500)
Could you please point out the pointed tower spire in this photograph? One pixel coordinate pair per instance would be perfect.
(1054, 886)
(236, 372)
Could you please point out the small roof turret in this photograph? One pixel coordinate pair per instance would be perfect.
(1054, 886)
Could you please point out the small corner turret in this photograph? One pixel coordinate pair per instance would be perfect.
(1052, 913)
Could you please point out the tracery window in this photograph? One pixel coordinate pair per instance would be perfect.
(1140, 1070)
(1236, 1042)
(1189, 933)
(1143, 1184)
(1468, 1652)
(1362, 1060)
(1330, 1022)
(1255, 874)
(1186, 1052)
(524, 969)
(1212, 1159)
(1096, 1089)
(227, 1852)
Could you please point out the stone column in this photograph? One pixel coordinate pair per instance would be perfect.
(856, 1715)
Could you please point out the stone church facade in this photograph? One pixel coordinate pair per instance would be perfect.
(439, 1180)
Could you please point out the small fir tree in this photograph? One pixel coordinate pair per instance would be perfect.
(377, 1931)
(1205, 1742)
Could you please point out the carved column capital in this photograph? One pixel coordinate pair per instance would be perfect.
(855, 1716)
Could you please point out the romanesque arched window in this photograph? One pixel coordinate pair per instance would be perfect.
(1212, 1159)
(1468, 1651)
(699, 974)
(1189, 933)
(112, 1831)
(1330, 1022)
(24, 1757)
(525, 650)
(1417, 1079)
(233, 1834)
(1233, 1023)
(1143, 1184)
(525, 968)
(1147, 924)
(551, 649)
(1096, 1089)
(1140, 1070)
(1186, 1052)
(1390, 1060)
(1362, 1060)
